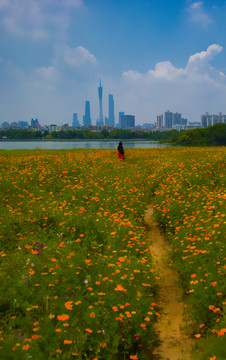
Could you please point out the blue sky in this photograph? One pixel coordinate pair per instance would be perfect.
(151, 55)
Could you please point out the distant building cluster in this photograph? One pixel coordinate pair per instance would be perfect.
(210, 120)
(22, 125)
(170, 120)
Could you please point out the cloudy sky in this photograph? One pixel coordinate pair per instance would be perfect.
(151, 55)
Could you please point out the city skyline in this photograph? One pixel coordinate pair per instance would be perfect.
(165, 122)
(159, 56)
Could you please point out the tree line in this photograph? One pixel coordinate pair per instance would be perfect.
(212, 135)
(24, 134)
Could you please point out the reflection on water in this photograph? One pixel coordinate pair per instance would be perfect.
(57, 145)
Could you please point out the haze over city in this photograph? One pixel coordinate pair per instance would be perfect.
(152, 56)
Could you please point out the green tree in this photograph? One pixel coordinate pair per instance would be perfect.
(105, 133)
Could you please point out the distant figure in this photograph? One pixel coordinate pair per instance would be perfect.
(121, 151)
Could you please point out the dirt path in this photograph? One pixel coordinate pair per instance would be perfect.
(174, 343)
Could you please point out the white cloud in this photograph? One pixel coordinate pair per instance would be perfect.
(198, 14)
(78, 56)
(68, 63)
(205, 56)
(198, 63)
(165, 70)
(36, 19)
(192, 90)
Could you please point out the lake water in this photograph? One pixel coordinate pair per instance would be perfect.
(86, 144)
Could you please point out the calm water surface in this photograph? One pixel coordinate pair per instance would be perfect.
(57, 145)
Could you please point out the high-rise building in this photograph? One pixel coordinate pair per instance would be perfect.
(75, 121)
(204, 120)
(176, 119)
(86, 117)
(111, 117)
(210, 120)
(168, 119)
(127, 121)
(34, 123)
(100, 92)
(120, 114)
(159, 120)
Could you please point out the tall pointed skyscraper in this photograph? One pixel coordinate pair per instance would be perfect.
(100, 91)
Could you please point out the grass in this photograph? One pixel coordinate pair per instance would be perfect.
(76, 270)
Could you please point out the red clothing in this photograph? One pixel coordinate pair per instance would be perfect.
(121, 156)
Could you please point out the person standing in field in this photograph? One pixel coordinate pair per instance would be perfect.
(121, 151)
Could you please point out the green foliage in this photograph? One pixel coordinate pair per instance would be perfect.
(87, 134)
(212, 135)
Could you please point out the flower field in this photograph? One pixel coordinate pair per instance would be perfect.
(77, 280)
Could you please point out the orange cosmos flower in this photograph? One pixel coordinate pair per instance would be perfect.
(133, 357)
(119, 288)
(63, 317)
(25, 347)
(89, 331)
(77, 302)
(67, 342)
(221, 332)
(68, 305)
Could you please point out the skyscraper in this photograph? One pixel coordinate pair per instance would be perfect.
(111, 118)
(75, 121)
(120, 114)
(34, 123)
(100, 91)
(168, 119)
(176, 119)
(159, 120)
(127, 121)
(86, 117)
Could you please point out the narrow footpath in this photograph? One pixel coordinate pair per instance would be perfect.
(175, 344)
